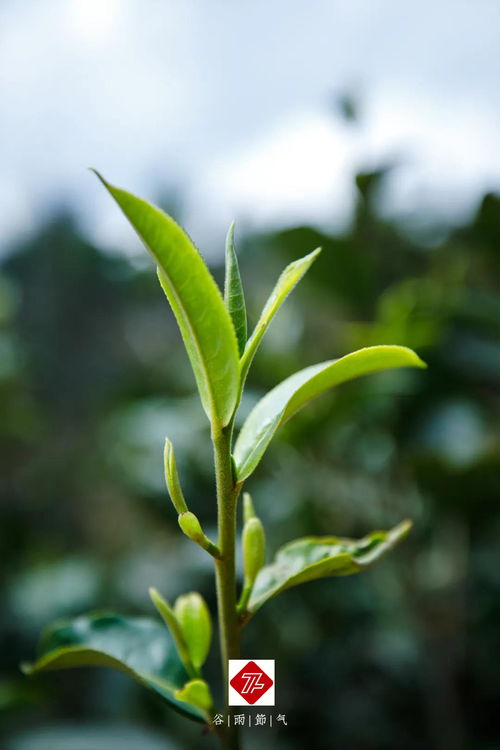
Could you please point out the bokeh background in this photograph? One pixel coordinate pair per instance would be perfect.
(370, 128)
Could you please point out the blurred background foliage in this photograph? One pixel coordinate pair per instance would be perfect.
(93, 376)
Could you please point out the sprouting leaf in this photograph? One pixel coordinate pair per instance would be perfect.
(168, 616)
(195, 623)
(195, 299)
(197, 693)
(320, 557)
(234, 297)
(289, 278)
(287, 398)
(139, 647)
(172, 478)
(253, 545)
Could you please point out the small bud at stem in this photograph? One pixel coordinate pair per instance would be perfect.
(248, 509)
(254, 545)
(254, 552)
(192, 528)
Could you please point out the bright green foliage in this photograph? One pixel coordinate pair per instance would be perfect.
(234, 297)
(292, 394)
(168, 660)
(196, 626)
(286, 282)
(320, 557)
(139, 647)
(205, 325)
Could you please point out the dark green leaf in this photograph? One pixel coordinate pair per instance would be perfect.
(204, 322)
(320, 557)
(292, 394)
(139, 647)
(234, 297)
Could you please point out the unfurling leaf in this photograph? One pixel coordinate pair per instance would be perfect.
(287, 398)
(286, 282)
(197, 693)
(139, 647)
(318, 557)
(234, 297)
(172, 478)
(168, 616)
(204, 322)
(194, 619)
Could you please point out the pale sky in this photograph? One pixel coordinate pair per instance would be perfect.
(230, 100)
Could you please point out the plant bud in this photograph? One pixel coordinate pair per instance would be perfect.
(194, 620)
(191, 526)
(254, 549)
(248, 509)
(197, 693)
(172, 479)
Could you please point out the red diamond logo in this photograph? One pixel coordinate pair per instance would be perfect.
(251, 682)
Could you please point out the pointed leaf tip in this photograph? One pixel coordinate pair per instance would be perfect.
(310, 558)
(288, 279)
(195, 299)
(172, 478)
(234, 297)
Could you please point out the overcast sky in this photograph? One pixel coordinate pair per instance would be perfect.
(231, 101)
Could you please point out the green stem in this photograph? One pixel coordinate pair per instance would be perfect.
(227, 496)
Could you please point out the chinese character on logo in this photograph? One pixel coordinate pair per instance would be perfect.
(251, 682)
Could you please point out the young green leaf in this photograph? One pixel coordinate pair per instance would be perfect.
(287, 398)
(139, 647)
(172, 478)
(253, 543)
(319, 557)
(168, 616)
(194, 619)
(197, 693)
(195, 299)
(234, 297)
(286, 282)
